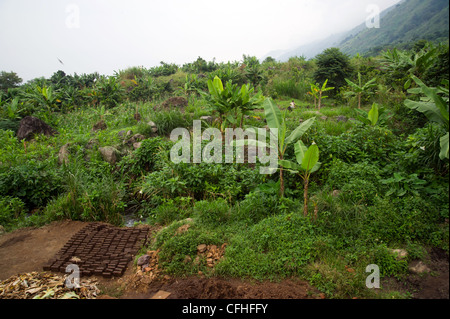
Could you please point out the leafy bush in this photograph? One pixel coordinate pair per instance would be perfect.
(212, 213)
(148, 157)
(88, 197)
(166, 121)
(11, 208)
(342, 173)
(171, 210)
(34, 182)
(277, 246)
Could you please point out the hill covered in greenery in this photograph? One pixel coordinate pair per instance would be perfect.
(408, 21)
(361, 162)
(400, 26)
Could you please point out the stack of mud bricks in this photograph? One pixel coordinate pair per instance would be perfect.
(99, 249)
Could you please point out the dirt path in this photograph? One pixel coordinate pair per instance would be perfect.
(29, 249)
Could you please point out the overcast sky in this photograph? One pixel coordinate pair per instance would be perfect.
(106, 35)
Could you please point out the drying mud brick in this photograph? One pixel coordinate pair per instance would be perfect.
(99, 249)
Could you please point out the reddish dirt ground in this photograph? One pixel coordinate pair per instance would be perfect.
(29, 249)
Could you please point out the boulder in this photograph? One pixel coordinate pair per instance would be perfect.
(153, 126)
(207, 118)
(100, 125)
(109, 154)
(176, 101)
(418, 267)
(341, 118)
(30, 126)
(143, 260)
(137, 145)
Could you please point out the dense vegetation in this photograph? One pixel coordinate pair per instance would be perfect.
(381, 182)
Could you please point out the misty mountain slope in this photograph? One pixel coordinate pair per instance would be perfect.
(411, 20)
(407, 21)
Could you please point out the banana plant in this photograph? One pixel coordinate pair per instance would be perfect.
(232, 99)
(12, 109)
(307, 163)
(317, 91)
(313, 93)
(358, 89)
(434, 107)
(276, 120)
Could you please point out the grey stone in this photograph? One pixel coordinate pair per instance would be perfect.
(207, 118)
(30, 126)
(144, 259)
(109, 154)
(418, 267)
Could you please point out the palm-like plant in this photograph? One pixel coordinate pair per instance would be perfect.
(232, 99)
(358, 89)
(434, 107)
(307, 163)
(317, 92)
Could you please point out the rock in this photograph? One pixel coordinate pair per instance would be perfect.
(137, 138)
(144, 259)
(137, 145)
(207, 118)
(129, 133)
(418, 267)
(176, 101)
(91, 143)
(399, 253)
(100, 125)
(324, 118)
(341, 118)
(121, 134)
(187, 259)
(30, 126)
(109, 154)
(335, 193)
(201, 248)
(63, 154)
(153, 126)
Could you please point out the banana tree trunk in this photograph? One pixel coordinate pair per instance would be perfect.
(305, 197)
(281, 182)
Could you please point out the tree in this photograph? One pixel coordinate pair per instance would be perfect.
(276, 120)
(358, 88)
(435, 109)
(317, 91)
(333, 65)
(9, 80)
(308, 162)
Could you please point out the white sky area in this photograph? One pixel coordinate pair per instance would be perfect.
(106, 35)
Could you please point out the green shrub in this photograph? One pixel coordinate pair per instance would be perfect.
(88, 197)
(212, 213)
(166, 121)
(34, 182)
(396, 220)
(171, 210)
(279, 245)
(341, 174)
(150, 156)
(11, 208)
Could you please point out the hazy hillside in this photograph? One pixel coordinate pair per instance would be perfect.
(411, 20)
(407, 21)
